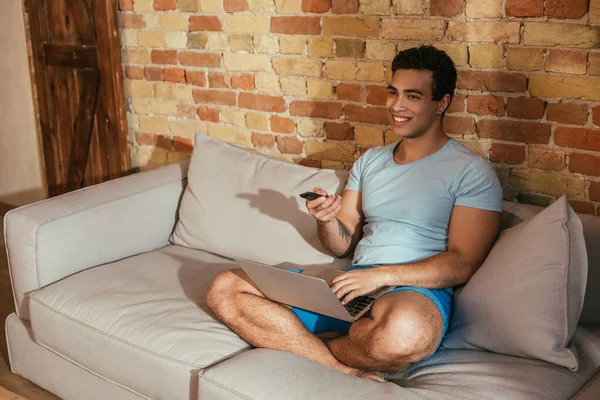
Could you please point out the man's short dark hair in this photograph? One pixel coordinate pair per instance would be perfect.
(428, 58)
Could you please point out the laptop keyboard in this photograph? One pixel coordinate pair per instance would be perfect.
(355, 306)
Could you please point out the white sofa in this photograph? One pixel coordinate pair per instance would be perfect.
(108, 308)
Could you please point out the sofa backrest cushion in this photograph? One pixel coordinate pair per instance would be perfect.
(526, 298)
(515, 213)
(242, 204)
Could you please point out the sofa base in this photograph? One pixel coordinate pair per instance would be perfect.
(54, 373)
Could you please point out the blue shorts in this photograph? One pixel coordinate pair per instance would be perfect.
(315, 323)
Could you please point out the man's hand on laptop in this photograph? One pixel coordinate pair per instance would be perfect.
(353, 284)
(324, 208)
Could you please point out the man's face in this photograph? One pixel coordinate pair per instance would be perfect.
(410, 106)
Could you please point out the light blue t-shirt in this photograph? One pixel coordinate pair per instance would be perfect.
(408, 206)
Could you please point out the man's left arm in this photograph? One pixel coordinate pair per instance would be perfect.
(471, 234)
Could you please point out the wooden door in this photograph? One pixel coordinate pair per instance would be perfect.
(79, 80)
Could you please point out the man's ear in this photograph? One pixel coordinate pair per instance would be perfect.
(443, 104)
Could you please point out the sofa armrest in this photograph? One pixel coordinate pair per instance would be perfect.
(52, 239)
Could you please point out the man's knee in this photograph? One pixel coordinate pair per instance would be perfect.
(222, 290)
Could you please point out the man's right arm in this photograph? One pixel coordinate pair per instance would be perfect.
(340, 220)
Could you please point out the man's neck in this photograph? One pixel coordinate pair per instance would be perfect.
(413, 149)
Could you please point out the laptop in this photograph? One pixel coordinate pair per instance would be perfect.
(308, 290)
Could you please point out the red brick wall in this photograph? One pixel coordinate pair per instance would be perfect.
(303, 80)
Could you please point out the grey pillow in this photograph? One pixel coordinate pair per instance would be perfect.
(242, 204)
(527, 297)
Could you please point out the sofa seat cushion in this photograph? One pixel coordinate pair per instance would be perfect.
(140, 322)
(262, 374)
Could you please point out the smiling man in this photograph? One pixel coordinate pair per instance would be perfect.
(420, 215)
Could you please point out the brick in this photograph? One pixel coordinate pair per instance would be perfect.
(183, 144)
(327, 164)
(514, 131)
(320, 90)
(261, 6)
(565, 87)
(129, 38)
(163, 107)
(138, 89)
(316, 6)
(230, 134)
(347, 70)
(293, 86)
(134, 21)
(175, 75)
(205, 23)
(368, 135)
(595, 12)
(566, 9)
(492, 81)
(344, 6)
(596, 116)
(409, 7)
(507, 153)
(266, 44)
(235, 5)
(296, 25)
(199, 59)
(140, 105)
(233, 116)
(186, 111)
(585, 164)
(197, 40)
(390, 137)
(292, 45)
(253, 23)
(288, 6)
(196, 78)
(289, 145)
(164, 90)
(534, 199)
(567, 61)
(178, 156)
(184, 92)
(297, 66)
(223, 97)
(216, 41)
(457, 52)
(595, 191)
(475, 146)
(126, 5)
(563, 35)
(152, 20)
(337, 131)
(546, 183)
(306, 162)
(316, 109)
(311, 128)
(524, 8)
(241, 43)
(526, 108)
(217, 80)
(352, 48)
(458, 125)
(349, 92)
(257, 121)
(247, 62)
(174, 22)
(567, 113)
(484, 31)
(367, 115)
(262, 102)
(373, 7)
(446, 8)
(188, 6)
(486, 105)
(486, 56)
(211, 6)
(263, 141)
(133, 72)
(343, 152)
(153, 124)
(320, 47)
(413, 29)
(164, 5)
(351, 26)
(267, 83)
(242, 81)
(582, 207)
(377, 95)
(578, 138)
(176, 40)
(520, 58)
(457, 105)
(151, 39)
(594, 61)
(282, 125)
(380, 50)
(545, 158)
(164, 56)
(148, 139)
(484, 9)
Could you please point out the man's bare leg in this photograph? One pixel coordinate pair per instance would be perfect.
(263, 323)
(404, 327)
